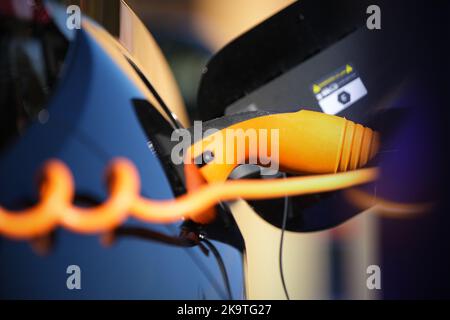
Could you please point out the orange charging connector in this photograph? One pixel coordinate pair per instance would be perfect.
(308, 143)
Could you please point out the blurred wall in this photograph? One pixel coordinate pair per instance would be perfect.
(217, 22)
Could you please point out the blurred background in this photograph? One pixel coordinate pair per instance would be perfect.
(190, 32)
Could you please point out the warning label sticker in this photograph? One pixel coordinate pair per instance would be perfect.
(339, 90)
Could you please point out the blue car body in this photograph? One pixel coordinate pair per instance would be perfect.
(90, 121)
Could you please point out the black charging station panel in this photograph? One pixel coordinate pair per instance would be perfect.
(317, 55)
(314, 54)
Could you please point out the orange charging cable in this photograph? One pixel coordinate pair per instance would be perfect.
(308, 142)
(55, 207)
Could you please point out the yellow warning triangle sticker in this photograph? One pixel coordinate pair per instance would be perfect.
(316, 88)
(348, 68)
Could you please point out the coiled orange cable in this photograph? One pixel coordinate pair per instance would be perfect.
(55, 206)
